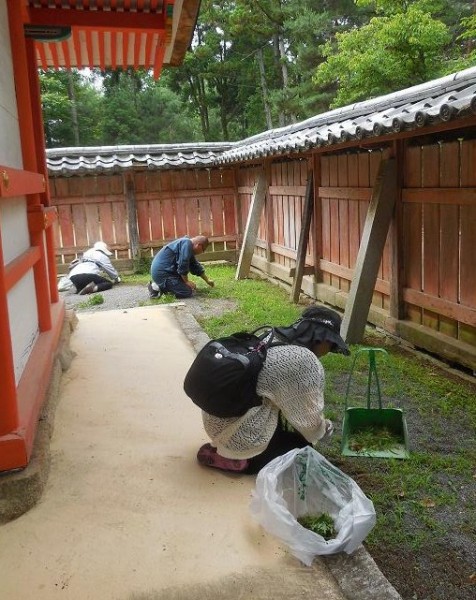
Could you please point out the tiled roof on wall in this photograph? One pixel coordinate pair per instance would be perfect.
(432, 103)
(436, 101)
(112, 159)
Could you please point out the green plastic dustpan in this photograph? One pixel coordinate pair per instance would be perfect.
(373, 432)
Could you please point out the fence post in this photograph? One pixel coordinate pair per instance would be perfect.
(132, 219)
(252, 225)
(377, 224)
(303, 238)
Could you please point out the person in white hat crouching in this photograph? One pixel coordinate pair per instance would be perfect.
(94, 272)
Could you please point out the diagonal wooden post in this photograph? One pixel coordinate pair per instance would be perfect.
(374, 235)
(251, 229)
(303, 239)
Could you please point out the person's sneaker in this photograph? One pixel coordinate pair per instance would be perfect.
(153, 293)
(88, 289)
(208, 456)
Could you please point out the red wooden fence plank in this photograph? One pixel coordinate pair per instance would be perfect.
(143, 223)
(92, 223)
(168, 219)
(218, 177)
(217, 215)
(107, 226)
(468, 228)
(155, 216)
(279, 239)
(291, 215)
(202, 180)
(101, 184)
(75, 186)
(120, 222)
(79, 221)
(65, 220)
(334, 217)
(229, 217)
(157, 180)
(192, 210)
(364, 182)
(354, 235)
(140, 182)
(431, 230)
(412, 226)
(227, 177)
(59, 189)
(325, 232)
(204, 205)
(449, 232)
(180, 211)
(344, 253)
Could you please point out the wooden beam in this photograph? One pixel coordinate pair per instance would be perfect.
(463, 196)
(309, 270)
(16, 182)
(303, 238)
(251, 229)
(374, 235)
(347, 193)
(97, 19)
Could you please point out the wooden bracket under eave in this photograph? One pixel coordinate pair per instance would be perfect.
(41, 217)
(16, 182)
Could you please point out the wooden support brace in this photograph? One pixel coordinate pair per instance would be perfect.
(305, 271)
(374, 235)
(303, 239)
(251, 229)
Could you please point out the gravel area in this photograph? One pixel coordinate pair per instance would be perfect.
(125, 296)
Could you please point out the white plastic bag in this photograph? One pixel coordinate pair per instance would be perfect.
(65, 284)
(302, 482)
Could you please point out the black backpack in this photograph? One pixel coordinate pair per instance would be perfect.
(222, 378)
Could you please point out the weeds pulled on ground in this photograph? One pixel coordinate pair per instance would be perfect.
(425, 537)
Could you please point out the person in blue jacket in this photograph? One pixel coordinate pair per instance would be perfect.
(172, 265)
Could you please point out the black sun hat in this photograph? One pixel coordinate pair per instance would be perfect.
(317, 324)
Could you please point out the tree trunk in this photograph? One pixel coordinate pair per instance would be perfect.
(264, 89)
(285, 75)
(74, 108)
(198, 97)
(277, 58)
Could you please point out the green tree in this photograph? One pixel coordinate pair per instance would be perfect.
(406, 47)
(71, 107)
(140, 110)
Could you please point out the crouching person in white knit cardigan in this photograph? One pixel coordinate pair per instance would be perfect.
(291, 386)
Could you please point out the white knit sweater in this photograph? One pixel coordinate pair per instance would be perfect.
(291, 381)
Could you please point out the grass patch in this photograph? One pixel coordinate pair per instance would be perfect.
(93, 300)
(422, 503)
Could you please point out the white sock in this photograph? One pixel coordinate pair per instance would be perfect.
(155, 287)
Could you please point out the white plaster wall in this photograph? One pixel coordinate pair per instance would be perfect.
(22, 306)
(10, 147)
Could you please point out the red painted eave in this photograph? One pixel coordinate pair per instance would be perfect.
(110, 33)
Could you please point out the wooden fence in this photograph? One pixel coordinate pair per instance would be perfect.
(137, 213)
(426, 285)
